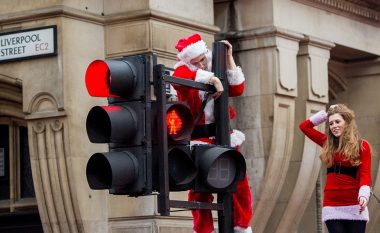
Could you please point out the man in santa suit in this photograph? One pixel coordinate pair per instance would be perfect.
(194, 63)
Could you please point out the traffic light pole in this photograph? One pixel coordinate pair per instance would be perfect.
(163, 172)
(164, 203)
(221, 113)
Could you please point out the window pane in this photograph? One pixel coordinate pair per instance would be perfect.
(4, 162)
(27, 189)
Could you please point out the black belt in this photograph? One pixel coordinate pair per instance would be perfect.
(204, 131)
(339, 169)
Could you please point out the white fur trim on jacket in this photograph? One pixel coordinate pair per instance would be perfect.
(236, 76)
(192, 143)
(209, 112)
(364, 191)
(318, 118)
(178, 64)
(237, 138)
(242, 230)
(190, 66)
(192, 51)
(203, 76)
(344, 212)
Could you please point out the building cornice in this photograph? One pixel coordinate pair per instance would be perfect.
(64, 11)
(367, 11)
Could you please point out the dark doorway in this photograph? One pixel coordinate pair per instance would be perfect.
(22, 222)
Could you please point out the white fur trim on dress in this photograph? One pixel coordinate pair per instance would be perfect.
(235, 76)
(192, 51)
(238, 229)
(344, 212)
(364, 191)
(318, 118)
(237, 138)
(203, 76)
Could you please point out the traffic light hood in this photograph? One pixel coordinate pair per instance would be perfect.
(110, 78)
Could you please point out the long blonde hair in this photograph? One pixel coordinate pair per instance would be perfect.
(347, 143)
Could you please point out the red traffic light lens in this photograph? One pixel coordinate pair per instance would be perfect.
(98, 79)
(174, 122)
(179, 122)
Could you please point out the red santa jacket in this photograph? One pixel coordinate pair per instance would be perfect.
(340, 189)
(195, 97)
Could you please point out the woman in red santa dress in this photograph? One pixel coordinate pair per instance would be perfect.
(194, 63)
(348, 161)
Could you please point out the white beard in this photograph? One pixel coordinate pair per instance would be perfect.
(208, 56)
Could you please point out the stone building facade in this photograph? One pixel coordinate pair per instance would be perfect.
(298, 57)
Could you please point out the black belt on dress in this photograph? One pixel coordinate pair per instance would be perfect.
(339, 169)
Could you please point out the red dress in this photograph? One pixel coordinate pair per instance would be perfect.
(242, 199)
(342, 191)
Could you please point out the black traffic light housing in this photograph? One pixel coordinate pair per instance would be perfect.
(182, 169)
(123, 79)
(120, 122)
(125, 124)
(178, 125)
(219, 168)
(121, 171)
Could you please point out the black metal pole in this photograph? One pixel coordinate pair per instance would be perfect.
(221, 111)
(163, 171)
(222, 120)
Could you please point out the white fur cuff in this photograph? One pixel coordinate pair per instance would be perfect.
(236, 76)
(237, 138)
(203, 76)
(242, 230)
(318, 118)
(364, 191)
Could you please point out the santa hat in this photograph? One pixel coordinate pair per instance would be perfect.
(190, 48)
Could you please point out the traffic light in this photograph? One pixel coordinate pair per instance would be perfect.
(125, 124)
(147, 136)
(182, 169)
(219, 168)
(204, 168)
(175, 131)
